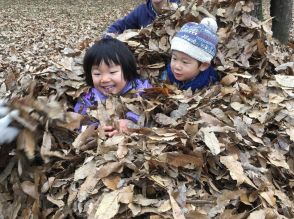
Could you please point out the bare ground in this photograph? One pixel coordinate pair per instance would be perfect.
(70, 20)
(67, 19)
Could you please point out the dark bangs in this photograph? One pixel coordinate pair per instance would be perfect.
(110, 51)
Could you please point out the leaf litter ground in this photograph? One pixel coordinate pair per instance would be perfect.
(223, 152)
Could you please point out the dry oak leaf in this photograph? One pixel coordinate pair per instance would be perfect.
(30, 189)
(177, 211)
(109, 204)
(26, 141)
(112, 181)
(285, 80)
(108, 207)
(85, 170)
(182, 160)
(210, 140)
(236, 170)
(229, 80)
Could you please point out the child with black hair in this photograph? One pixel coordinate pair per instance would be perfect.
(110, 69)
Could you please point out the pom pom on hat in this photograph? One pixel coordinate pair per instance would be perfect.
(197, 40)
(210, 23)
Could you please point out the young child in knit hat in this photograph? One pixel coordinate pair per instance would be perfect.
(193, 48)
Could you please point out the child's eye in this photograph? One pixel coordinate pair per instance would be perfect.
(185, 62)
(96, 73)
(174, 58)
(113, 72)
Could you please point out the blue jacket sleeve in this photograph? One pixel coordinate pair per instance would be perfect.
(131, 21)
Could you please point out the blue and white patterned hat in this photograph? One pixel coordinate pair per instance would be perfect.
(197, 40)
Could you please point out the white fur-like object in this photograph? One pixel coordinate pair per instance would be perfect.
(7, 134)
(4, 111)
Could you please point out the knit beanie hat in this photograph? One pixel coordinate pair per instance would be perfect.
(197, 40)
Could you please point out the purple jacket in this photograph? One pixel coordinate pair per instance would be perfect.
(140, 17)
(93, 97)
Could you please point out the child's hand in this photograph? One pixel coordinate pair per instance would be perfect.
(110, 130)
(123, 127)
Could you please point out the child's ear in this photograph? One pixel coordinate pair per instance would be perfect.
(204, 66)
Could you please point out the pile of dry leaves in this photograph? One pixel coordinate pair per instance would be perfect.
(223, 152)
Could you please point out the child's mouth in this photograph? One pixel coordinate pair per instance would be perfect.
(177, 75)
(109, 88)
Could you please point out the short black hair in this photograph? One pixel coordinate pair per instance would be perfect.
(110, 50)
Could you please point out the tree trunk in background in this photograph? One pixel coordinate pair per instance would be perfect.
(258, 10)
(281, 10)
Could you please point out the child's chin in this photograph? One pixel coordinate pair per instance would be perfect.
(109, 93)
(179, 78)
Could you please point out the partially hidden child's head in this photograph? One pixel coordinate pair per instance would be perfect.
(158, 5)
(193, 48)
(164, 1)
(109, 65)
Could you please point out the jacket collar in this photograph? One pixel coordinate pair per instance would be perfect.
(150, 9)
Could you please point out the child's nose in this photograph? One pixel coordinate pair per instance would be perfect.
(104, 78)
(177, 65)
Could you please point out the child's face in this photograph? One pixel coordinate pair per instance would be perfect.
(158, 4)
(108, 79)
(184, 67)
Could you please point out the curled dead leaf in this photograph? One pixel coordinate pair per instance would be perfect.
(229, 80)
